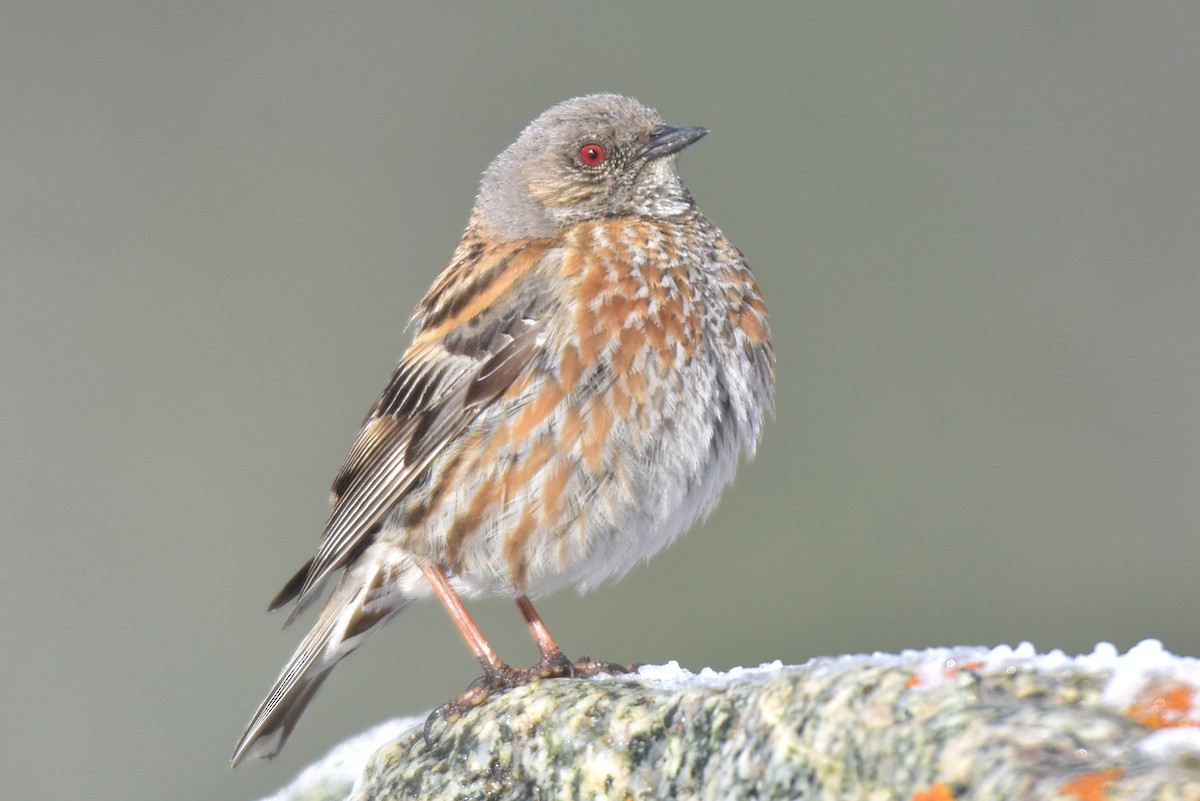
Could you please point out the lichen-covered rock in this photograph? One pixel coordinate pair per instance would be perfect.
(930, 726)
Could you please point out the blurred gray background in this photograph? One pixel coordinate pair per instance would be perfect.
(977, 227)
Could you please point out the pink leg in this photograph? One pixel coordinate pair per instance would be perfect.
(466, 624)
(541, 635)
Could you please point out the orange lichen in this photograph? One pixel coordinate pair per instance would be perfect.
(936, 792)
(1091, 786)
(951, 670)
(1167, 705)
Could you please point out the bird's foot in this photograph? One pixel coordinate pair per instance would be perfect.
(585, 667)
(490, 683)
(550, 666)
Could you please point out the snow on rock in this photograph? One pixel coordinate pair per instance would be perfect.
(337, 773)
(1097, 725)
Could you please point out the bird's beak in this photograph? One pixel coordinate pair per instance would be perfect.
(667, 139)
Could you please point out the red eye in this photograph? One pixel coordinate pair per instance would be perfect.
(591, 155)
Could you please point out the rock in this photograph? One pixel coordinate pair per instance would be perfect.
(934, 725)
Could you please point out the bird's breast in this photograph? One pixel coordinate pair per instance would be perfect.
(631, 421)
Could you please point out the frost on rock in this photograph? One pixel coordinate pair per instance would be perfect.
(339, 771)
(944, 723)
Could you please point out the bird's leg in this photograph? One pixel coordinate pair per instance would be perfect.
(553, 664)
(492, 666)
(496, 674)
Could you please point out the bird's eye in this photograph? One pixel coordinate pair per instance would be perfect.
(591, 155)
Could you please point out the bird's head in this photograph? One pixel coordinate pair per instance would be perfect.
(589, 158)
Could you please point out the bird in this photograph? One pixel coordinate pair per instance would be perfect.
(582, 379)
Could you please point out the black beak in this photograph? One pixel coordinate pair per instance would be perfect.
(667, 139)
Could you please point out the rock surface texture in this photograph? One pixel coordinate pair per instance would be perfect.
(937, 725)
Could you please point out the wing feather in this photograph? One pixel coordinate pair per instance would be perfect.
(448, 375)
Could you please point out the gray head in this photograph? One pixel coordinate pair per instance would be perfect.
(587, 158)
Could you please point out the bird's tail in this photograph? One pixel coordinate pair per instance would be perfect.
(364, 600)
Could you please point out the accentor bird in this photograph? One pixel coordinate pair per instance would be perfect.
(581, 379)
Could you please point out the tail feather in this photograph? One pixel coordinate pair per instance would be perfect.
(272, 725)
(359, 606)
(291, 589)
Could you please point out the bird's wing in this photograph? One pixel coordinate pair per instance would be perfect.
(481, 326)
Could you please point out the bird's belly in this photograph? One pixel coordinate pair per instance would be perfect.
(603, 482)
(656, 480)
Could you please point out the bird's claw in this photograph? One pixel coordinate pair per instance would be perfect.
(585, 667)
(550, 666)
